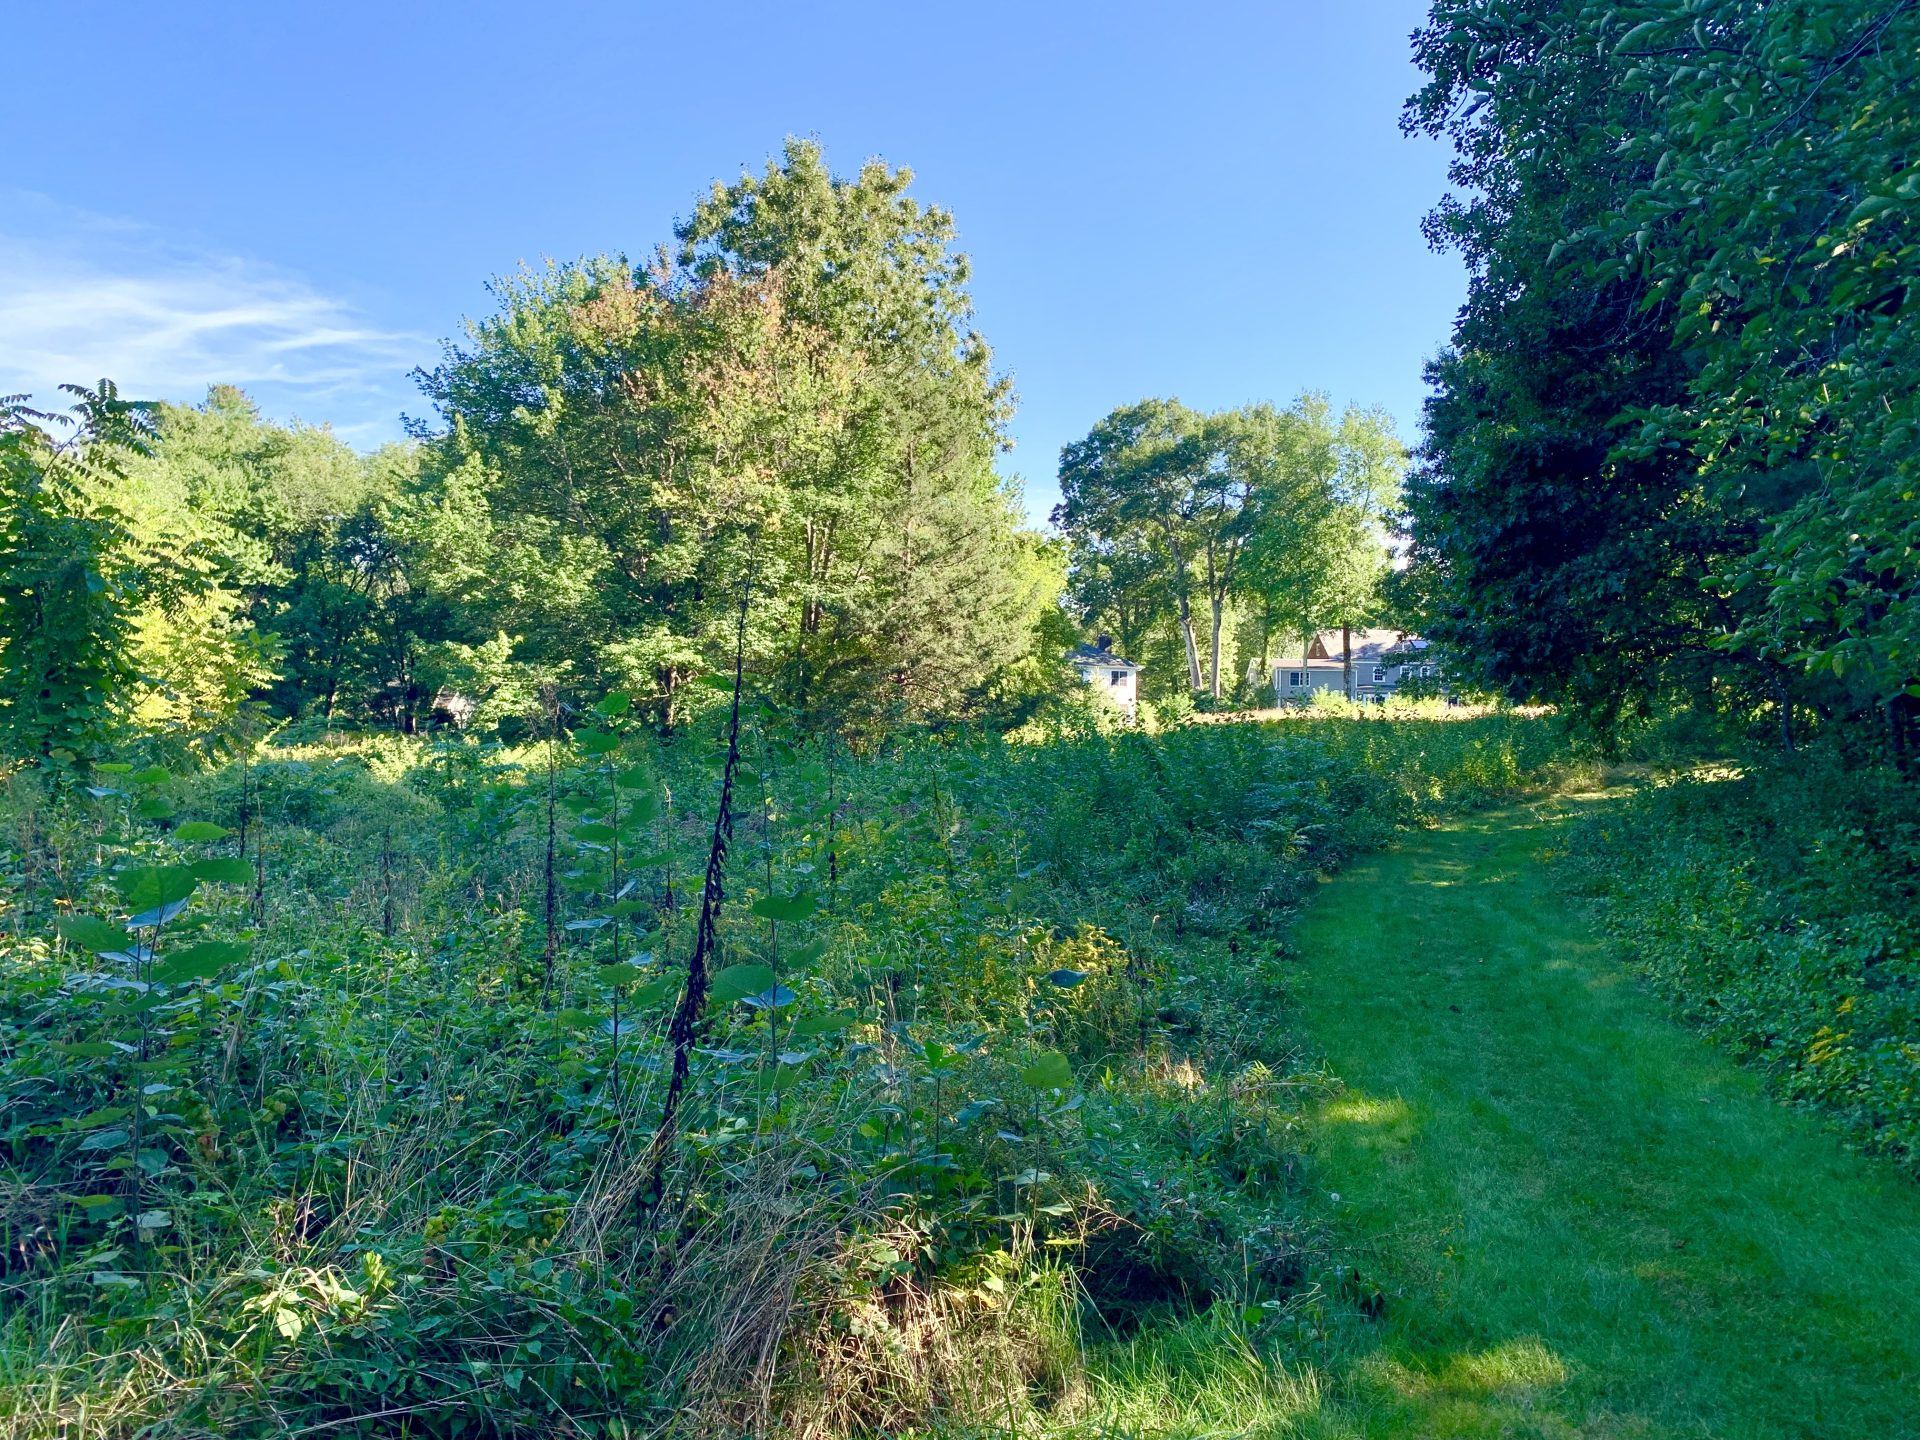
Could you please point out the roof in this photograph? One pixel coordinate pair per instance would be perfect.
(1367, 645)
(1094, 655)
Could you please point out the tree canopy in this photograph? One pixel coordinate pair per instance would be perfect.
(1670, 450)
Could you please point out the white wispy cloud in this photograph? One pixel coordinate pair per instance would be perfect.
(84, 296)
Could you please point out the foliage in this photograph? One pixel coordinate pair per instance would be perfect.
(1273, 517)
(1774, 902)
(1669, 451)
(64, 579)
(803, 370)
(989, 1024)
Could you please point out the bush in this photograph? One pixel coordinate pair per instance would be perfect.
(1778, 904)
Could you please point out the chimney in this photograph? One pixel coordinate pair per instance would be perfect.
(1102, 642)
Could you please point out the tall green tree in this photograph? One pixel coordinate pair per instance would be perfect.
(1139, 480)
(67, 583)
(793, 402)
(1669, 451)
(1283, 511)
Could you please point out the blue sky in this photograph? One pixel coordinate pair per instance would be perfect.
(1205, 200)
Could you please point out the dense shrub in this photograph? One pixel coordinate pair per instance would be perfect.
(1778, 904)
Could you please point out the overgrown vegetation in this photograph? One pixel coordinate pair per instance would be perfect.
(1774, 901)
(304, 1128)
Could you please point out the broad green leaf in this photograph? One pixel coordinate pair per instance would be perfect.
(654, 991)
(785, 908)
(597, 742)
(808, 1026)
(1066, 979)
(112, 1114)
(595, 832)
(149, 887)
(223, 870)
(737, 982)
(200, 832)
(152, 775)
(159, 915)
(1050, 1071)
(614, 706)
(93, 935)
(154, 807)
(198, 962)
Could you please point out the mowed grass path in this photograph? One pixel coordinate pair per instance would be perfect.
(1586, 1222)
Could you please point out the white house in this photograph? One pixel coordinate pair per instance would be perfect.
(1382, 661)
(1109, 675)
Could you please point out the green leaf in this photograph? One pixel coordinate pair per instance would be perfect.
(93, 935)
(808, 1026)
(1646, 30)
(1868, 208)
(149, 887)
(656, 990)
(152, 775)
(114, 767)
(154, 807)
(198, 962)
(737, 982)
(596, 833)
(1067, 979)
(613, 706)
(785, 908)
(598, 742)
(200, 832)
(774, 997)
(108, 1116)
(1050, 1071)
(223, 870)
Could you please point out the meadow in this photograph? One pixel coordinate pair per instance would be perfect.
(355, 1086)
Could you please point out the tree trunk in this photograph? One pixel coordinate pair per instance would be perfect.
(1218, 606)
(1193, 646)
(1346, 658)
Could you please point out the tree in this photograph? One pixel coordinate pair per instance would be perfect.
(1284, 509)
(1670, 449)
(67, 586)
(1139, 479)
(795, 402)
(1324, 494)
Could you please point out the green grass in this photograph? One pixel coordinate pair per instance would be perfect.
(1585, 1220)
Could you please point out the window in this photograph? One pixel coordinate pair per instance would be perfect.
(1295, 679)
(1087, 675)
(1379, 674)
(1119, 677)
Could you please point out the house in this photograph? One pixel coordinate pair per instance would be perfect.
(1382, 661)
(1108, 674)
